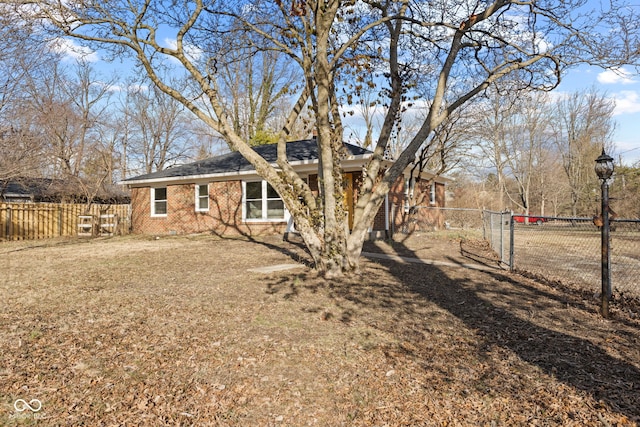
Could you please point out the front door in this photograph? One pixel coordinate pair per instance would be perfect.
(347, 185)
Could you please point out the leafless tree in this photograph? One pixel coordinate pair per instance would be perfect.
(21, 55)
(491, 138)
(68, 110)
(254, 83)
(626, 191)
(582, 126)
(447, 52)
(67, 106)
(21, 149)
(159, 135)
(527, 134)
(367, 113)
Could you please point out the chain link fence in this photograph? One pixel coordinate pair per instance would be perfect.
(429, 218)
(555, 248)
(568, 250)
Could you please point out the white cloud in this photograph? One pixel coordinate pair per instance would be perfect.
(191, 51)
(616, 76)
(558, 96)
(627, 102)
(70, 50)
(131, 88)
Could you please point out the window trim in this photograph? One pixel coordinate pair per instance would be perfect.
(264, 199)
(409, 187)
(198, 197)
(154, 201)
(432, 193)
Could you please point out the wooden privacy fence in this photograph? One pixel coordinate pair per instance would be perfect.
(26, 221)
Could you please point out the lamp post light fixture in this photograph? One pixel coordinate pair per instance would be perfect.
(604, 170)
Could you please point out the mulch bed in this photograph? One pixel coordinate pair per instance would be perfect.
(177, 331)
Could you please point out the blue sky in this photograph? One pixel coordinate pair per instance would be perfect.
(624, 88)
(621, 85)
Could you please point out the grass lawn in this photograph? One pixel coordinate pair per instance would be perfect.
(177, 331)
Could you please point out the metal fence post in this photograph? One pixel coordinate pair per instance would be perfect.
(484, 225)
(502, 237)
(606, 252)
(492, 233)
(511, 241)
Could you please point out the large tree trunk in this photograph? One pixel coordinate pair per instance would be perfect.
(333, 234)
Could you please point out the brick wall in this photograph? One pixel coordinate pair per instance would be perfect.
(396, 203)
(418, 219)
(224, 216)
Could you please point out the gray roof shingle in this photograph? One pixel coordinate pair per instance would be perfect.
(234, 162)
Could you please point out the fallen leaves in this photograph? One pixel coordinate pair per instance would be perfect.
(114, 342)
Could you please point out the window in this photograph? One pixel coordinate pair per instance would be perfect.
(409, 187)
(202, 198)
(159, 201)
(262, 202)
(432, 193)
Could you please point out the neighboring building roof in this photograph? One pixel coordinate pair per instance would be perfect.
(233, 163)
(28, 188)
(23, 189)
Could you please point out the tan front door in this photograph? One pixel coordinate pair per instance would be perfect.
(347, 185)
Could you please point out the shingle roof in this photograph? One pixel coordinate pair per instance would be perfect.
(55, 190)
(36, 187)
(231, 163)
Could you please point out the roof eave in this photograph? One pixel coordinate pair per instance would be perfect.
(428, 174)
(186, 178)
(299, 165)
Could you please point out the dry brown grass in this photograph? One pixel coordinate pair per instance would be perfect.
(176, 331)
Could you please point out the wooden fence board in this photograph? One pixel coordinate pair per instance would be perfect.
(22, 221)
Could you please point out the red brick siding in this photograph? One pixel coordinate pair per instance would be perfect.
(225, 210)
(396, 203)
(223, 218)
(420, 219)
(378, 221)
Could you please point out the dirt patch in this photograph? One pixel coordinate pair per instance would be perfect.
(176, 331)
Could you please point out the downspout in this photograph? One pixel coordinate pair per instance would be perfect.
(386, 215)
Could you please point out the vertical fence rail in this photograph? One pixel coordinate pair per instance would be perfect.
(497, 231)
(27, 221)
(512, 249)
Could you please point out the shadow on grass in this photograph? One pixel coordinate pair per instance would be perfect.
(573, 360)
(498, 320)
(294, 249)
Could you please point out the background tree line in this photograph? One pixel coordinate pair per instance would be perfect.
(61, 118)
(533, 151)
(536, 151)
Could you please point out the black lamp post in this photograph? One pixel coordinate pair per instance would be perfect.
(604, 170)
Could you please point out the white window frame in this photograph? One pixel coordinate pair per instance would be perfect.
(409, 187)
(432, 193)
(154, 201)
(198, 197)
(265, 200)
